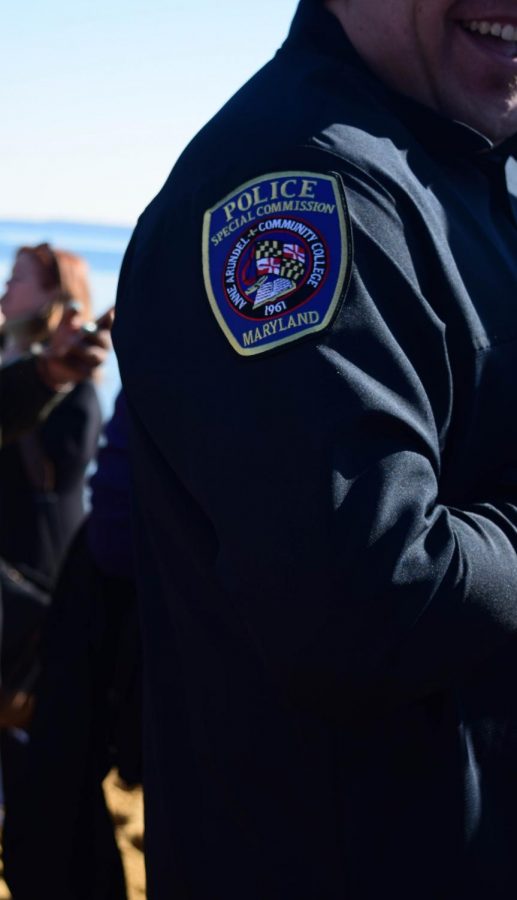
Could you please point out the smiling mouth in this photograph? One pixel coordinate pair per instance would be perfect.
(501, 37)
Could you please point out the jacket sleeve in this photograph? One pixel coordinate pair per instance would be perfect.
(319, 468)
(70, 435)
(24, 398)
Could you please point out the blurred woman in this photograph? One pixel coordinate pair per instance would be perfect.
(42, 474)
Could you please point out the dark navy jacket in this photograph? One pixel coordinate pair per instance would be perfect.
(328, 532)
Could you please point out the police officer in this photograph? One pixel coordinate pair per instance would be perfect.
(317, 335)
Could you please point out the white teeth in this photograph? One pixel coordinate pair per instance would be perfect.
(495, 29)
(507, 33)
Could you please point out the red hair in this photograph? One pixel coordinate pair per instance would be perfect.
(62, 272)
(64, 276)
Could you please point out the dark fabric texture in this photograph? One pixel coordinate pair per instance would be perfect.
(327, 534)
(42, 483)
(57, 829)
(109, 525)
(23, 398)
(25, 607)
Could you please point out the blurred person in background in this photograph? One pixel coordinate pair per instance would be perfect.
(42, 468)
(30, 388)
(42, 472)
(87, 716)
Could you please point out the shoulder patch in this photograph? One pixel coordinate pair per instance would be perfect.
(276, 257)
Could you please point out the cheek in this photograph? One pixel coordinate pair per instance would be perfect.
(434, 43)
(23, 299)
(23, 296)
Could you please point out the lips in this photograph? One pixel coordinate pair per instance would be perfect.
(497, 36)
(503, 31)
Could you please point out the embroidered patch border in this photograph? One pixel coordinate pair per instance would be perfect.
(276, 256)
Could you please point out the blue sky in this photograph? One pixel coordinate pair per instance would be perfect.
(103, 95)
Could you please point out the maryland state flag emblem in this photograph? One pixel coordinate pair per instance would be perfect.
(276, 258)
